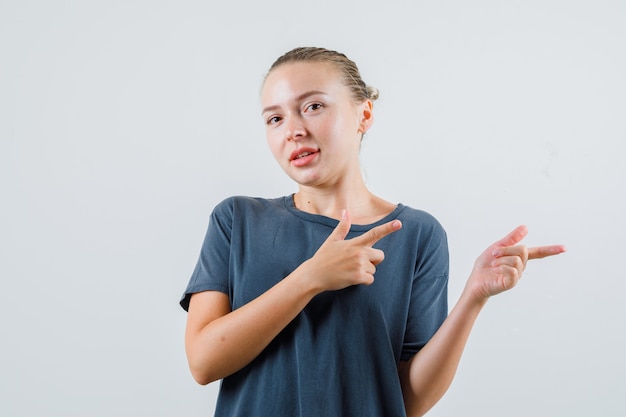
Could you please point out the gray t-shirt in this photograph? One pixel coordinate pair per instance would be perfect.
(339, 356)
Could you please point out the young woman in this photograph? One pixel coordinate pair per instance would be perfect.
(331, 301)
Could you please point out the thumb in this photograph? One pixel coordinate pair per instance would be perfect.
(342, 229)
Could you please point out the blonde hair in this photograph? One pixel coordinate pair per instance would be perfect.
(350, 72)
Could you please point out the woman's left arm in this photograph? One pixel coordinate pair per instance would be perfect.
(428, 374)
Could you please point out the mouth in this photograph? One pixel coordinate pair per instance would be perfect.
(302, 153)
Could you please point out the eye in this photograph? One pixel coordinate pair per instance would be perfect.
(273, 120)
(314, 106)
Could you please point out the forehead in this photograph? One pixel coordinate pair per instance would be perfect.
(292, 79)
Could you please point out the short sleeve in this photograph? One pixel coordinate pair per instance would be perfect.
(212, 269)
(429, 293)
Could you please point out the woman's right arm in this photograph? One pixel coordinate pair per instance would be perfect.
(219, 342)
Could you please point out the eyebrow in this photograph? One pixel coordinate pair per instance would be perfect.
(299, 98)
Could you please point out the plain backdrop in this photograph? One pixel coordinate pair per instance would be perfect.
(123, 123)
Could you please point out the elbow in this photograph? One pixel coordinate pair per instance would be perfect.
(201, 379)
(203, 375)
(418, 407)
(202, 365)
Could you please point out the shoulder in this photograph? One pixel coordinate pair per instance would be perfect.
(240, 203)
(428, 237)
(419, 219)
(423, 228)
(244, 210)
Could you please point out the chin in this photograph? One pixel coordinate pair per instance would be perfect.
(307, 180)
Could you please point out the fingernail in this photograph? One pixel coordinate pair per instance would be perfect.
(343, 214)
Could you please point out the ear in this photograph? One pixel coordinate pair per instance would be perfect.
(366, 114)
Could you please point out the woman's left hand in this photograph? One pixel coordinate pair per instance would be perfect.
(500, 266)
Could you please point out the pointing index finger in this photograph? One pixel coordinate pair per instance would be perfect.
(375, 234)
(544, 251)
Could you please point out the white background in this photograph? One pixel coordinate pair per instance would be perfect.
(122, 123)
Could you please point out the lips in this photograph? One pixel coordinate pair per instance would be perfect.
(303, 156)
(302, 153)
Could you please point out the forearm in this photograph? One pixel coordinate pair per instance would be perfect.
(230, 342)
(428, 375)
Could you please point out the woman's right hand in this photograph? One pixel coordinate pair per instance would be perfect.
(340, 263)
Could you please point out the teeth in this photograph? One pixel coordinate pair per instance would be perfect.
(302, 155)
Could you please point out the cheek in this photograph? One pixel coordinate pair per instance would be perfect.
(344, 130)
(275, 145)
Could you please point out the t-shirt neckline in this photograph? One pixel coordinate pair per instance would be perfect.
(328, 221)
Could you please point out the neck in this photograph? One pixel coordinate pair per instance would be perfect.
(364, 207)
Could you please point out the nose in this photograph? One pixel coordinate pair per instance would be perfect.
(294, 129)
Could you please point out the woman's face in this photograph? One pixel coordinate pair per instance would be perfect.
(313, 126)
